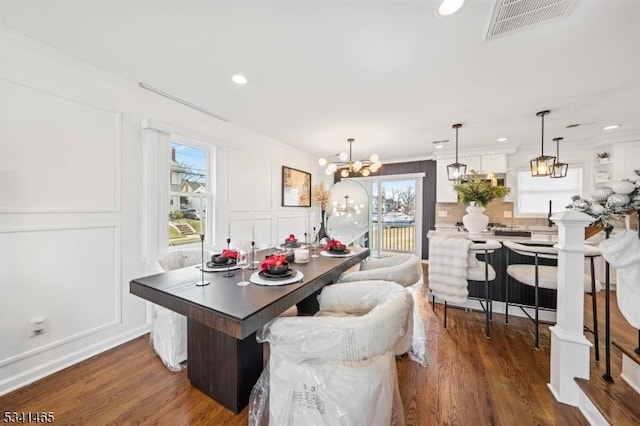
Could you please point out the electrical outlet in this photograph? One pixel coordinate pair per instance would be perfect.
(507, 213)
(37, 326)
(443, 213)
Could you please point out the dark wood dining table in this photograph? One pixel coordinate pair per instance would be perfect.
(224, 357)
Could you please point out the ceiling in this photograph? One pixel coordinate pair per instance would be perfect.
(390, 73)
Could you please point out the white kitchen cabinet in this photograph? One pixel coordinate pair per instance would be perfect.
(486, 163)
(482, 164)
(473, 162)
(627, 159)
(444, 187)
(494, 163)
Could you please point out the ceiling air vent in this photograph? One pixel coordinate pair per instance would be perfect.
(513, 15)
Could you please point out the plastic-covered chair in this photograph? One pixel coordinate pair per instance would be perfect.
(335, 370)
(452, 264)
(406, 270)
(546, 276)
(168, 328)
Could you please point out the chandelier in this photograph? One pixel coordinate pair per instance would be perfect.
(348, 166)
(542, 165)
(347, 208)
(559, 169)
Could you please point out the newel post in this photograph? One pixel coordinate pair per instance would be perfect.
(569, 347)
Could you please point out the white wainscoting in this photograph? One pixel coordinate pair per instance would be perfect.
(296, 225)
(250, 184)
(69, 274)
(54, 149)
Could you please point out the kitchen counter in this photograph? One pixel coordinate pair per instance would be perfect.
(535, 238)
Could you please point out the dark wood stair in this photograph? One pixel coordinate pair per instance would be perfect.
(628, 350)
(618, 402)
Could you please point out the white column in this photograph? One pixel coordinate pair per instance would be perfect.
(569, 347)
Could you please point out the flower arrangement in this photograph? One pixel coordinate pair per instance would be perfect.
(610, 204)
(480, 191)
(321, 196)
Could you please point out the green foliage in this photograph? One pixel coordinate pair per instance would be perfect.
(176, 214)
(479, 191)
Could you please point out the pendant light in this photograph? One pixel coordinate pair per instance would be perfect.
(456, 171)
(559, 169)
(542, 165)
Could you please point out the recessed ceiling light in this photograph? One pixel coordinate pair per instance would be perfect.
(449, 7)
(611, 127)
(239, 79)
(502, 139)
(440, 144)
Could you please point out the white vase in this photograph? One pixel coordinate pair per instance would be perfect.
(475, 221)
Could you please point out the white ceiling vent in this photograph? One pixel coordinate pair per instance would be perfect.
(513, 15)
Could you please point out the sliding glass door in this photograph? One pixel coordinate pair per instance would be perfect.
(396, 214)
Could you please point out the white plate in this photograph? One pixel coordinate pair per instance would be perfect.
(257, 279)
(328, 254)
(218, 269)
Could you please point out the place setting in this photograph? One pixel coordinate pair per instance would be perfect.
(335, 248)
(275, 270)
(221, 262)
(291, 242)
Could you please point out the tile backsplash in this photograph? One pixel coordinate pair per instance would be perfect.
(498, 212)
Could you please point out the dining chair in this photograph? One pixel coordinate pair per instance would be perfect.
(452, 264)
(539, 276)
(168, 335)
(337, 367)
(406, 270)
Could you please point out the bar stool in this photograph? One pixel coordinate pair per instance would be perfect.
(546, 276)
(446, 286)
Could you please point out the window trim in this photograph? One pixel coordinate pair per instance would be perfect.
(208, 196)
(516, 194)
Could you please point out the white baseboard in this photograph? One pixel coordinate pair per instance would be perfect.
(29, 376)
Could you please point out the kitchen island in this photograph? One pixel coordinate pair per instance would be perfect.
(518, 293)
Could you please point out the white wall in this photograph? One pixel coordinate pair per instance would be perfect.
(74, 229)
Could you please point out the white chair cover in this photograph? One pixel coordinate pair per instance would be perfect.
(168, 328)
(406, 270)
(326, 370)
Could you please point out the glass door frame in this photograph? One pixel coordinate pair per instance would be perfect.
(368, 183)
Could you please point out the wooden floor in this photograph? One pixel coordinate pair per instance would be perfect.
(470, 380)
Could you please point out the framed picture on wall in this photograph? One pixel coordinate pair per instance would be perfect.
(296, 188)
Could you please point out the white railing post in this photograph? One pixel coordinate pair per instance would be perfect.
(569, 347)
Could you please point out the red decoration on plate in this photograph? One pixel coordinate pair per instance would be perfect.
(332, 243)
(274, 260)
(231, 254)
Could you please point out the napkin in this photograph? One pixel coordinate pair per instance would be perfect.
(332, 243)
(231, 254)
(277, 260)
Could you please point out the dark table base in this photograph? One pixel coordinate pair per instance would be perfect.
(222, 366)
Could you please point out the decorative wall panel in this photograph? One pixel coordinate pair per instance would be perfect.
(57, 154)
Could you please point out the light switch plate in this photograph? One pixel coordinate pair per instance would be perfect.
(443, 213)
(507, 213)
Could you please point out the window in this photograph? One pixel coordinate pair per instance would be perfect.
(534, 193)
(189, 190)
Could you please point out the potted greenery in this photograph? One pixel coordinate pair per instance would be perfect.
(477, 193)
